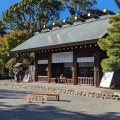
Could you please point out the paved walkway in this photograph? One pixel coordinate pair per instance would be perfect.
(14, 106)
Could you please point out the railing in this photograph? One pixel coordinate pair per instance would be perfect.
(85, 81)
(42, 78)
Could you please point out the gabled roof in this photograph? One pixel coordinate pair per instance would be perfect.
(88, 31)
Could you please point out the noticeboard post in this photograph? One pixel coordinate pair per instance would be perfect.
(107, 80)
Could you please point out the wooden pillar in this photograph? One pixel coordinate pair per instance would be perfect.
(36, 67)
(95, 77)
(96, 68)
(74, 71)
(49, 72)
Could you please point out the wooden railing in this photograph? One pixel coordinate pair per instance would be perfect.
(85, 81)
(42, 78)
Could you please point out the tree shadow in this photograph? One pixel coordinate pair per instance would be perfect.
(11, 94)
(37, 111)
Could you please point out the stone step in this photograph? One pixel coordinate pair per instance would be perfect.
(117, 93)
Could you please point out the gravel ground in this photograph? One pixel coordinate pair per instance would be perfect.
(14, 106)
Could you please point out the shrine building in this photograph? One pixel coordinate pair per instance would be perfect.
(71, 50)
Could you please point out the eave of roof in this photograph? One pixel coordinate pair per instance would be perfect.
(88, 32)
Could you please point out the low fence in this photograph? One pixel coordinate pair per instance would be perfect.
(85, 81)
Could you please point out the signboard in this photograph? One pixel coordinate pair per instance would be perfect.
(26, 78)
(37, 98)
(107, 79)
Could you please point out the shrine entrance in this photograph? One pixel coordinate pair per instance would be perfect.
(85, 71)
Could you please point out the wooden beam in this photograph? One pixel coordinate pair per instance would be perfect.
(49, 72)
(74, 71)
(36, 67)
(97, 68)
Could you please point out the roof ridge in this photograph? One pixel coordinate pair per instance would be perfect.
(76, 23)
(79, 23)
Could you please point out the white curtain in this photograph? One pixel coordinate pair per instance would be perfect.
(42, 61)
(85, 59)
(66, 57)
(63, 57)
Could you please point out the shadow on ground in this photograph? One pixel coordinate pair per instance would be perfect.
(36, 112)
(44, 112)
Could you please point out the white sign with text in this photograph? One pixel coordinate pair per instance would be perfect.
(37, 98)
(106, 79)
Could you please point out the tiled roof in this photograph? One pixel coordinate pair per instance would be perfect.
(89, 30)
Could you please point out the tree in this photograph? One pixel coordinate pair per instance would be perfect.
(8, 42)
(111, 44)
(34, 14)
(118, 3)
(78, 7)
(2, 28)
(31, 14)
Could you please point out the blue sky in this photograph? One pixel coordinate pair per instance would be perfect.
(102, 4)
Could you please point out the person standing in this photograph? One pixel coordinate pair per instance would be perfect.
(17, 75)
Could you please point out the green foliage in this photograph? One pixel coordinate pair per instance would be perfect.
(31, 14)
(10, 63)
(111, 44)
(2, 28)
(76, 7)
(34, 14)
(111, 64)
(8, 42)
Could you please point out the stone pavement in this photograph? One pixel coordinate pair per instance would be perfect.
(86, 91)
(14, 106)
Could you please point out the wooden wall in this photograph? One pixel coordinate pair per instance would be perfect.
(85, 51)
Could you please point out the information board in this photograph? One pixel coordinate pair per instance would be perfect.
(106, 79)
(37, 98)
(26, 78)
